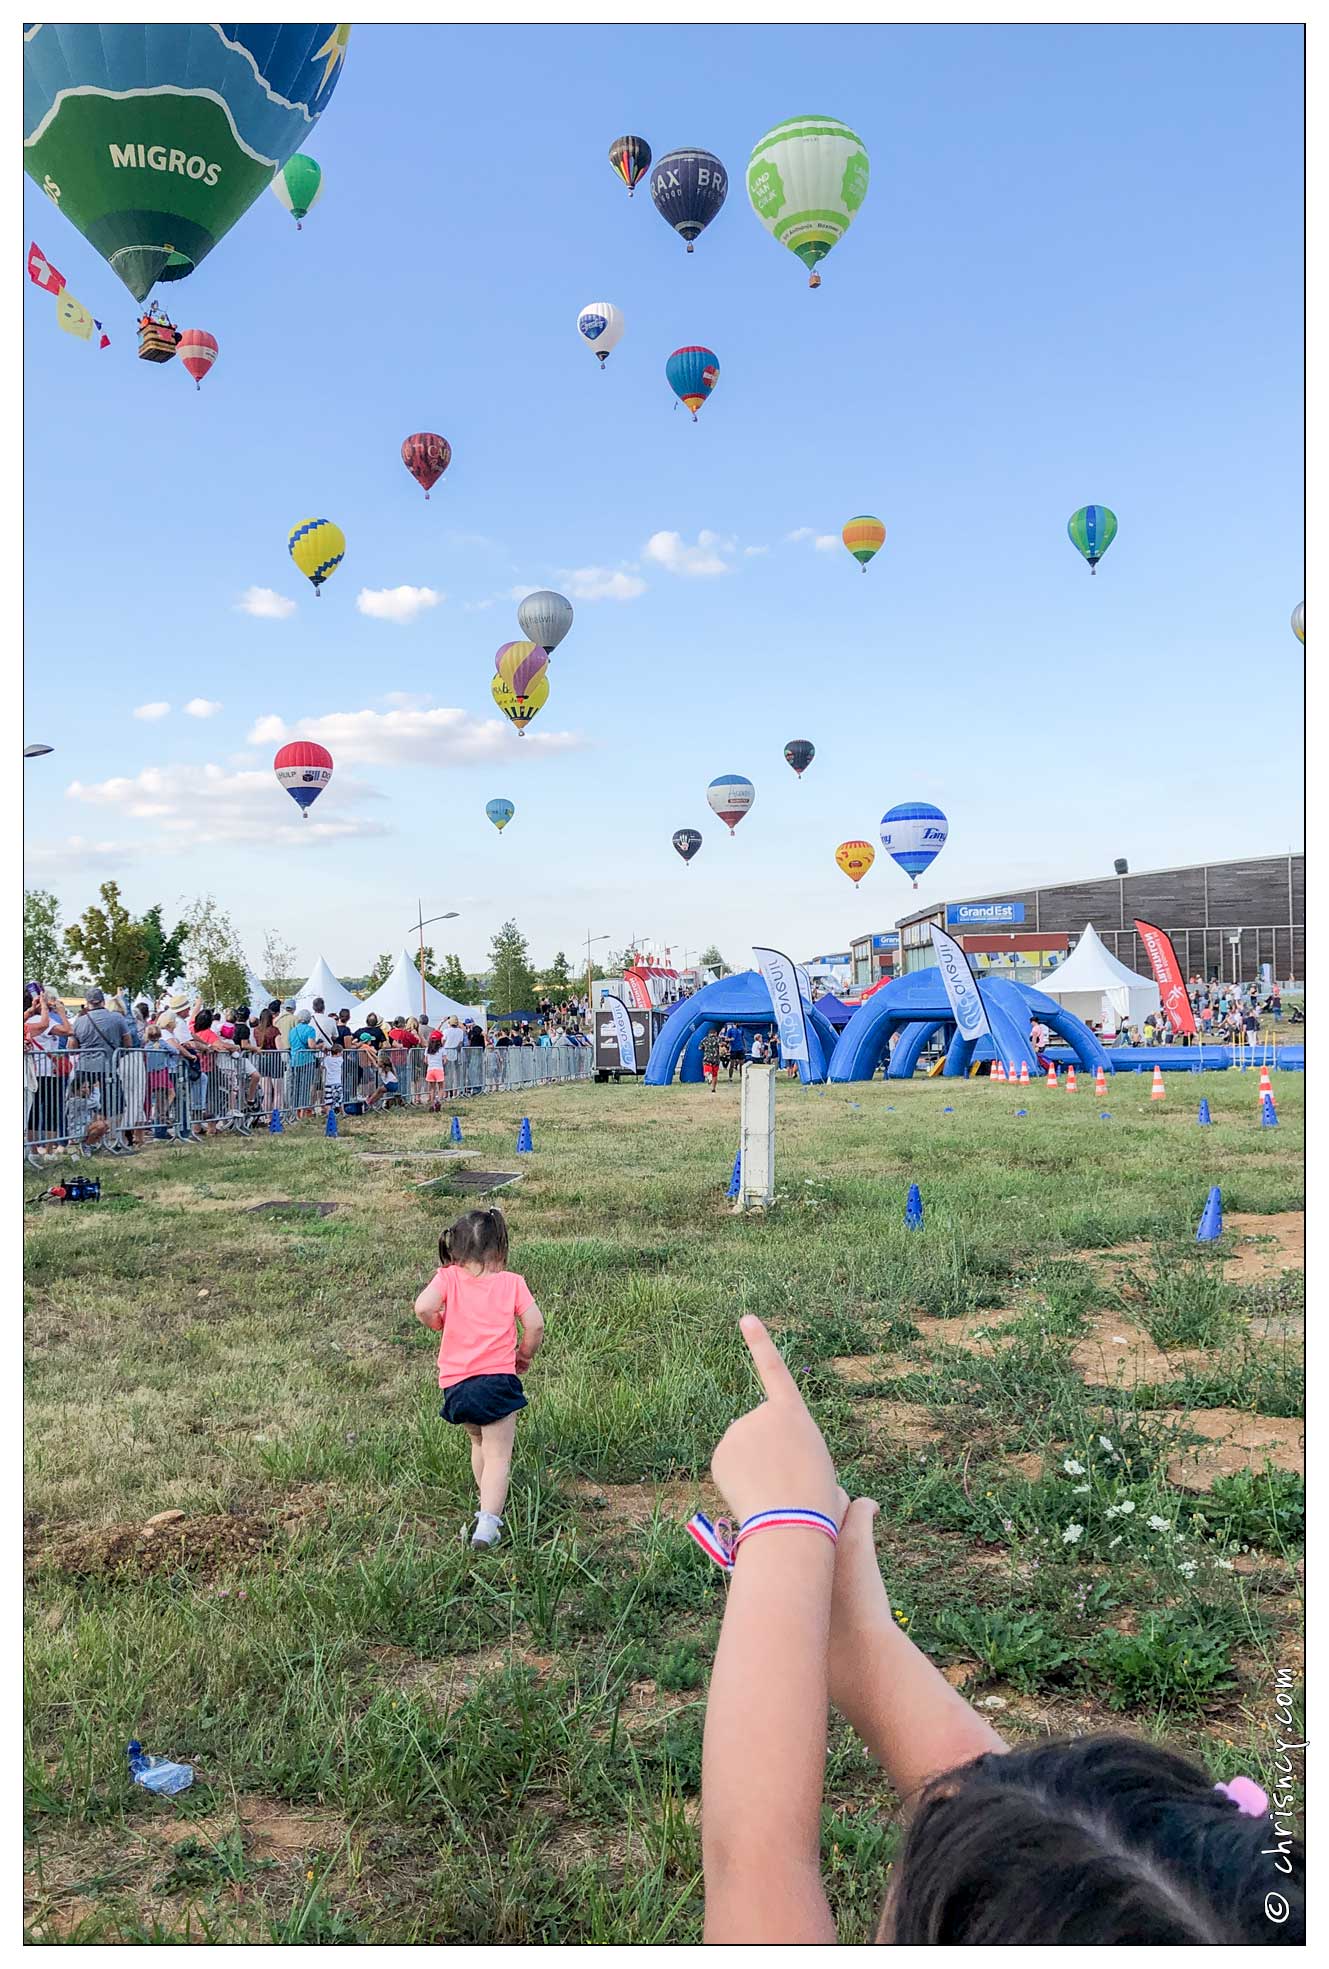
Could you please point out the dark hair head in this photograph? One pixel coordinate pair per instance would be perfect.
(478, 1238)
(1102, 1840)
(318, 1004)
(274, 1006)
(204, 1020)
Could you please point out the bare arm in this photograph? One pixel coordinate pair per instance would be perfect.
(429, 1307)
(532, 1323)
(899, 1705)
(764, 1752)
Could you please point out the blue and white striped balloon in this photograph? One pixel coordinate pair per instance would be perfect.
(913, 835)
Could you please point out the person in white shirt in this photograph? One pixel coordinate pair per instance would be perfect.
(453, 1041)
(326, 1028)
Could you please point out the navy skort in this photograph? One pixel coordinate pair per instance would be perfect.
(483, 1398)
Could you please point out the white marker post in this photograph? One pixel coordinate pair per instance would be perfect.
(757, 1134)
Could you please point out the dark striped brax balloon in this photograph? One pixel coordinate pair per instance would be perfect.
(688, 188)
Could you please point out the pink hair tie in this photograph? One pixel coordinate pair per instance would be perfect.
(1247, 1796)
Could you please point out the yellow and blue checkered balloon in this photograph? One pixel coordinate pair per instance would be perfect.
(317, 547)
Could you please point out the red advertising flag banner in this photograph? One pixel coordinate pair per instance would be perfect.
(1167, 976)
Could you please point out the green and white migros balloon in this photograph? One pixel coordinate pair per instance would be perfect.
(806, 180)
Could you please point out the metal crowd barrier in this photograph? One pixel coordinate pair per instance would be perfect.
(86, 1102)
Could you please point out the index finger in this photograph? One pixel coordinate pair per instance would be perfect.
(772, 1370)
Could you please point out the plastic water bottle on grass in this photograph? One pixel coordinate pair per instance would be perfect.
(158, 1774)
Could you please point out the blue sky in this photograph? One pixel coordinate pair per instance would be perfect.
(1077, 277)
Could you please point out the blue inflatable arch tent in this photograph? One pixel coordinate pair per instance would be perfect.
(740, 1000)
(916, 1006)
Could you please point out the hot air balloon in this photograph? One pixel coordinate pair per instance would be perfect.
(693, 373)
(730, 796)
(688, 188)
(1299, 622)
(686, 842)
(600, 324)
(317, 547)
(304, 769)
(426, 457)
(500, 812)
(520, 665)
(1093, 530)
(855, 858)
(154, 138)
(799, 753)
(545, 617)
(806, 179)
(863, 537)
(631, 158)
(913, 835)
(298, 186)
(520, 711)
(197, 350)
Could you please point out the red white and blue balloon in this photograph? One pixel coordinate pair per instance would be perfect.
(304, 769)
(730, 796)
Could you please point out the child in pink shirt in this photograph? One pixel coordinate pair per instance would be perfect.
(492, 1329)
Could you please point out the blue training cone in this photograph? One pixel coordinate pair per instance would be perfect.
(274, 1125)
(913, 1209)
(1211, 1223)
(456, 1129)
(331, 1128)
(735, 1179)
(525, 1146)
(1204, 1119)
(1268, 1112)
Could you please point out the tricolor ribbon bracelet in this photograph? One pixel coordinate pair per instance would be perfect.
(720, 1541)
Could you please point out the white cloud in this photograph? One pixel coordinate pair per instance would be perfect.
(151, 712)
(189, 807)
(473, 608)
(802, 533)
(413, 737)
(602, 584)
(750, 551)
(266, 602)
(397, 604)
(75, 855)
(202, 707)
(671, 552)
(826, 543)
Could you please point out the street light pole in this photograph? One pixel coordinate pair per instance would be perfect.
(421, 924)
(590, 996)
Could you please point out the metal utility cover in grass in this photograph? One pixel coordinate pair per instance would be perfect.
(478, 1180)
(415, 1155)
(294, 1209)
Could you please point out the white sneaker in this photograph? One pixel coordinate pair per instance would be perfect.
(487, 1529)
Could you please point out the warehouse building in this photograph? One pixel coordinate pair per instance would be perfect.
(1225, 918)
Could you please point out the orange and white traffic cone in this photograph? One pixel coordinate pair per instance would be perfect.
(998, 1070)
(1010, 1069)
(1100, 1082)
(1266, 1087)
(1024, 1073)
(1158, 1092)
(1052, 1074)
(1070, 1078)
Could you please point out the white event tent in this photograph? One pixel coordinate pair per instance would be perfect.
(400, 993)
(321, 983)
(1093, 985)
(257, 992)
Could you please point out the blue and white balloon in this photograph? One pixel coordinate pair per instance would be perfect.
(600, 325)
(913, 835)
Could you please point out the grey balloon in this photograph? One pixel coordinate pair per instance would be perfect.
(1299, 622)
(545, 618)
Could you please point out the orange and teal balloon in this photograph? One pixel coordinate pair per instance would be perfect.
(520, 665)
(693, 373)
(863, 536)
(855, 858)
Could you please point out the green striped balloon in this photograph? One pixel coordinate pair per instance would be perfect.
(806, 179)
(299, 186)
(1093, 530)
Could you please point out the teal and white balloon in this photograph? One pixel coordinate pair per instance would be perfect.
(545, 618)
(806, 180)
(600, 325)
(298, 186)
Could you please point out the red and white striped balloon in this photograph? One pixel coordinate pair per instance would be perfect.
(197, 350)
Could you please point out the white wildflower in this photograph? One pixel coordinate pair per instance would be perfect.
(1114, 1541)
(1106, 1444)
(1072, 1535)
(1187, 1568)
(1224, 1565)
(1081, 1490)
(1072, 1468)
(1126, 1507)
(1159, 1524)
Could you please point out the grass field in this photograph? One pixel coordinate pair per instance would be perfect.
(1084, 1431)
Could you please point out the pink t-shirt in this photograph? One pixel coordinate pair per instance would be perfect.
(479, 1322)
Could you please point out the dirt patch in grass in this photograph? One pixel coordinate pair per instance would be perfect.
(1269, 1245)
(171, 1542)
(638, 1504)
(448, 1681)
(973, 1333)
(905, 1423)
(1235, 1441)
(1122, 1355)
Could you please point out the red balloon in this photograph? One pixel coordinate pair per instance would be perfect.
(426, 457)
(197, 350)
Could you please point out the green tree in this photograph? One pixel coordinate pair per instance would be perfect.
(110, 944)
(166, 952)
(558, 979)
(278, 958)
(45, 959)
(213, 960)
(453, 980)
(711, 960)
(379, 975)
(510, 962)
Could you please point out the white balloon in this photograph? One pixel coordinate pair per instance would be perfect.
(545, 618)
(600, 324)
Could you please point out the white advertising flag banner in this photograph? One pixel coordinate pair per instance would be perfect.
(961, 986)
(627, 1045)
(781, 975)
